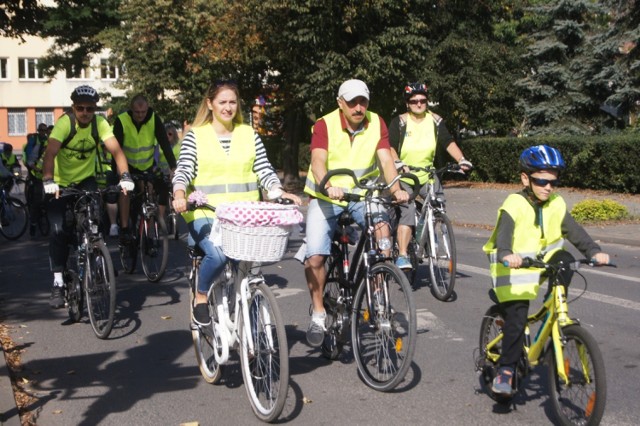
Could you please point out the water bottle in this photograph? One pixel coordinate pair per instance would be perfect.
(419, 228)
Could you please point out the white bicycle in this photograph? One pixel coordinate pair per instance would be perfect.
(244, 317)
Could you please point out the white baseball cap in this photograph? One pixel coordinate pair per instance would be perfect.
(351, 89)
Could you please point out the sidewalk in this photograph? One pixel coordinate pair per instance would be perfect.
(473, 207)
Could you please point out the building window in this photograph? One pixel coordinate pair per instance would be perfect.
(17, 122)
(82, 73)
(29, 69)
(108, 71)
(44, 116)
(4, 69)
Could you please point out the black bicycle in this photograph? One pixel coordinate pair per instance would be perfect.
(36, 201)
(149, 234)
(14, 216)
(89, 273)
(374, 298)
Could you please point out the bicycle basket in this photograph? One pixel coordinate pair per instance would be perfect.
(256, 231)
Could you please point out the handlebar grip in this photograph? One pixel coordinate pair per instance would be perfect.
(416, 183)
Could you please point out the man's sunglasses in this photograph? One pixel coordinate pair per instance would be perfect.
(81, 108)
(417, 101)
(545, 182)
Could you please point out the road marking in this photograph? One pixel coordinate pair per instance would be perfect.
(286, 292)
(427, 322)
(598, 297)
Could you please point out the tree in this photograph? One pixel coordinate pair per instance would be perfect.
(17, 17)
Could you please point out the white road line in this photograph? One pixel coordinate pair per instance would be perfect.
(428, 323)
(598, 297)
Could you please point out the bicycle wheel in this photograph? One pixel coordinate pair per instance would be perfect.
(172, 226)
(14, 218)
(412, 252)
(204, 339)
(100, 288)
(337, 321)
(265, 370)
(43, 223)
(582, 400)
(487, 362)
(442, 262)
(129, 252)
(384, 340)
(73, 297)
(154, 248)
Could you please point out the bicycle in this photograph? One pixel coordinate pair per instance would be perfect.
(89, 272)
(432, 239)
(577, 383)
(38, 206)
(149, 235)
(244, 317)
(171, 219)
(14, 216)
(373, 298)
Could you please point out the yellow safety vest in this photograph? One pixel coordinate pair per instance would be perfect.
(528, 241)
(224, 177)
(359, 155)
(77, 161)
(138, 146)
(419, 146)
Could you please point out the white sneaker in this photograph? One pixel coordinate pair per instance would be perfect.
(113, 231)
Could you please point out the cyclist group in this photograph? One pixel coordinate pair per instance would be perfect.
(226, 159)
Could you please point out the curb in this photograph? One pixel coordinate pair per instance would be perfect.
(8, 408)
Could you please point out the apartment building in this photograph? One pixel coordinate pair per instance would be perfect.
(27, 98)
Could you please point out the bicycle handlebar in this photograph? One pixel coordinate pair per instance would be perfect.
(369, 187)
(529, 262)
(194, 206)
(449, 167)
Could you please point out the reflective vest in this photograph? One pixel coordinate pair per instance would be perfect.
(138, 146)
(419, 146)
(9, 160)
(529, 240)
(162, 161)
(103, 166)
(359, 155)
(77, 160)
(224, 177)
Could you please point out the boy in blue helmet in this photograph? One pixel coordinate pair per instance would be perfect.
(532, 223)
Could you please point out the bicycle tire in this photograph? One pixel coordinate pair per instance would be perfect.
(266, 371)
(412, 253)
(384, 343)
(73, 295)
(490, 328)
(154, 248)
(14, 218)
(442, 268)
(172, 226)
(204, 340)
(582, 402)
(337, 322)
(128, 250)
(100, 289)
(43, 223)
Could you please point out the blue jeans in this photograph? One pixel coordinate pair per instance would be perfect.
(214, 259)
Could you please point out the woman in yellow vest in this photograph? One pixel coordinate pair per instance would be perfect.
(226, 160)
(414, 137)
(532, 223)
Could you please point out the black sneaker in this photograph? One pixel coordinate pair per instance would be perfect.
(201, 314)
(56, 301)
(124, 236)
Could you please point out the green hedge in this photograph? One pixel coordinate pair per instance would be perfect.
(603, 162)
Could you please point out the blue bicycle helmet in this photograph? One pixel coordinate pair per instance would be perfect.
(541, 157)
(414, 89)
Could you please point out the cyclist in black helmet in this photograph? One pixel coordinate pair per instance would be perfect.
(70, 159)
(414, 137)
(534, 223)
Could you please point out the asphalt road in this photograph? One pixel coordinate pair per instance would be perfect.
(145, 373)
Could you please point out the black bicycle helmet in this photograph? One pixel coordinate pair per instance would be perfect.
(84, 94)
(541, 157)
(415, 88)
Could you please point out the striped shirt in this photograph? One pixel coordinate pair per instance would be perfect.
(187, 168)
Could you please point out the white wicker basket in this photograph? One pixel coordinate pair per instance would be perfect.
(257, 244)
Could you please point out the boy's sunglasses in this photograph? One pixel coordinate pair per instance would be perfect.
(544, 182)
(82, 108)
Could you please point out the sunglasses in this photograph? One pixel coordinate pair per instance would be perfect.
(81, 108)
(544, 182)
(417, 101)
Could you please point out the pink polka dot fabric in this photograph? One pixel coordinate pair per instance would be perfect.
(258, 213)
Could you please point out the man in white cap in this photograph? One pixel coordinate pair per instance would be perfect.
(349, 137)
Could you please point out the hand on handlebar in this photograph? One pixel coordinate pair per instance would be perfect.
(335, 193)
(601, 258)
(180, 205)
(512, 261)
(401, 196)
